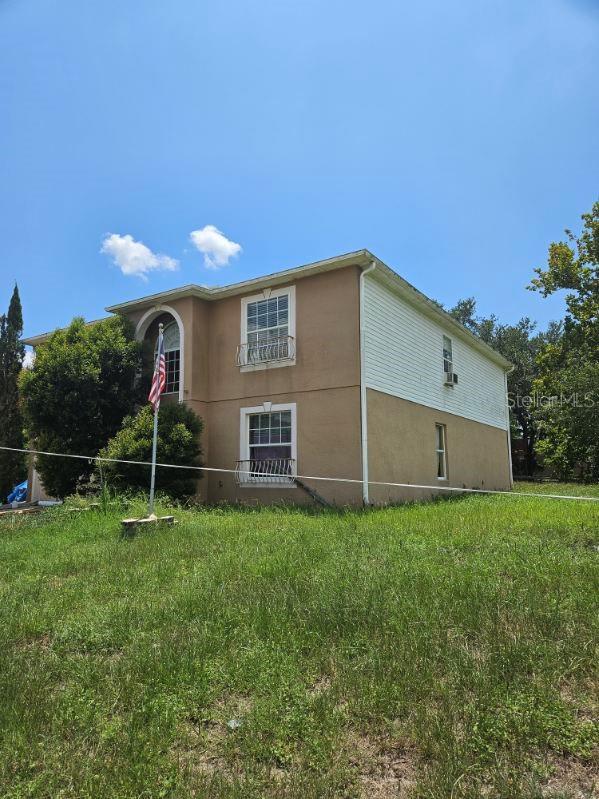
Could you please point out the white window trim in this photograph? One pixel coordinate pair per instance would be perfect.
(147, 319)
(444, 450)
(267, 294)
(244, 438)
(450, 359)
(170, 324)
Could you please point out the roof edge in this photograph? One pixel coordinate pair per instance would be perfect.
(40, 338)
(361, 257)
(435, 311)
(358, 258)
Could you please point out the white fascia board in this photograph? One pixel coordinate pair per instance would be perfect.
(254, 284)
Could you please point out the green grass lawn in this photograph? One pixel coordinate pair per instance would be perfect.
(435, 650)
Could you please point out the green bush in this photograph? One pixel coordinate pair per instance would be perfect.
(179, 431)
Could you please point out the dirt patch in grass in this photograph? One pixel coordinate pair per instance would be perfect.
(581, 699)
(571, 778)
(199, 752)
(41, 642)
(320, 686)
(384, 768)
(203, 744)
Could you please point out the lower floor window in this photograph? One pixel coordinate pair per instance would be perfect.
(270, 435)
(267, 444)
(441, 452)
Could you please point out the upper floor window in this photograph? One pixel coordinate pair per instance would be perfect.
(268, 320)
(267, 329)
(172, 354)
(447, 355)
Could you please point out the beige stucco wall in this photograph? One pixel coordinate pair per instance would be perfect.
(328, 443)
(323, 382)
(327, 341)
(401, 448)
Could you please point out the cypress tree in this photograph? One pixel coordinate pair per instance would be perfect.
(13, 467)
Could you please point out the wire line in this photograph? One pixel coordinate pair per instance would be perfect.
(300, 476)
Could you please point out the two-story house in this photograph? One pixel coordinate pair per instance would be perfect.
(335, 369)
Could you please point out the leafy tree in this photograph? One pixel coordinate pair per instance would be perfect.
(521, 345)
(82, 385)
(569, 365)
(179, 430)
(13, 467)
(464, 311)
(574, 266)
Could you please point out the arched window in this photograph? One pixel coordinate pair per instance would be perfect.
(172, 354)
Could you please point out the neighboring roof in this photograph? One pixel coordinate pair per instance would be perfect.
(33, 341)
(361, 258)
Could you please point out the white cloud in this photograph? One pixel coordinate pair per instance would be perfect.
(216, 248)
(133, 257)
(29, 359)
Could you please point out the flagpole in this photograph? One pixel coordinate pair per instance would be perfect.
(155, 437)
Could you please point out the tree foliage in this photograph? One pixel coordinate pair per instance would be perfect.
(75, 397)
(12, 465)
(179, 430)
(569, 366)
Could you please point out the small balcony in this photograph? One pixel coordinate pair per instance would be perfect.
(264, 352)
(271, 471)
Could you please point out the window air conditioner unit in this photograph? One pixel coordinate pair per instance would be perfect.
(451, 379)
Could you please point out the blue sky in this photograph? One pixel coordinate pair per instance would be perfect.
(454, 140)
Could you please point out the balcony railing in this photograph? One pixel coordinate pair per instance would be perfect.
(270, 471)
(279, 349)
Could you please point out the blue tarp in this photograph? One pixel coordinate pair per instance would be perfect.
(19, 493)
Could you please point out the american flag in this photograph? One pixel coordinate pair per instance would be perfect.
(159, 379)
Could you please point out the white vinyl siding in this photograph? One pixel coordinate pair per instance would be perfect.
(403, 357)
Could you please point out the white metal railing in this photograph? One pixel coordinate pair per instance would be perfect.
(267, 471)
(278, 349)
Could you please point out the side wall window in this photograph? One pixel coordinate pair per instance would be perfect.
(441, 451)
(447, 355)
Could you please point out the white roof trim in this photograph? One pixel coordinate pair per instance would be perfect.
(357, 258)
(361, 258)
